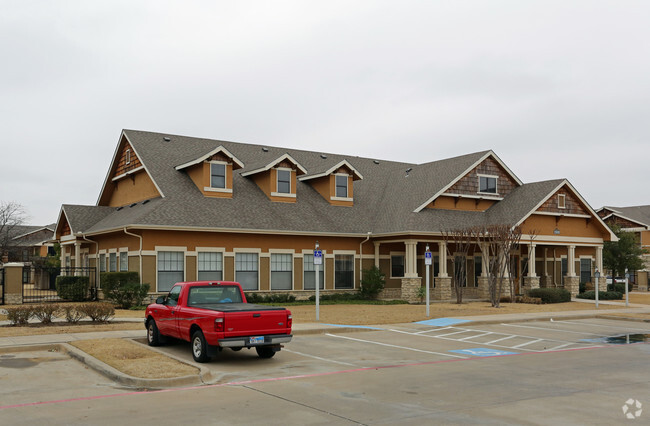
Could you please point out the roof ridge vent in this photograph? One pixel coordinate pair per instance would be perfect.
(375, 161)
(167, 138)
(265, 149)
(323, 156)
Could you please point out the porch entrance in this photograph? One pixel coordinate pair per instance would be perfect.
(39, 283)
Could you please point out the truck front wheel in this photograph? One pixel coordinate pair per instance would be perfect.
(199, 347)
(265, 351)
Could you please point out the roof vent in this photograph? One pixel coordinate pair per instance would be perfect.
(134, 204)
(145, 201)
(408, 171)
(375, 161)
(323, 156)
(119, 208)
(167, 139)
(265, 149)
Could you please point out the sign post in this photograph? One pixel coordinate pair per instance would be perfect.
(318, 260)
(597, 276)
(627, 283)
(427, 263)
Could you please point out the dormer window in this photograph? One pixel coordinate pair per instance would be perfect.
(342, 186)
(487, 184)
(561, 201)
(217, 175)
(284, 181)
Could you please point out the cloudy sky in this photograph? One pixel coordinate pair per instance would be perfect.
(558, 89)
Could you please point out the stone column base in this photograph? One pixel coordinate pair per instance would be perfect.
(410, 289)
(483, 288)
(530, 283)
(602, 284)
(546, 281)
(442, 290)
(572, 285)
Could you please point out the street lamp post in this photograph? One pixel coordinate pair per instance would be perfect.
(627, 283)
(317, 261)
(427, 262)
(597, 276)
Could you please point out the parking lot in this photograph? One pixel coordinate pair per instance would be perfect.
(542, 372)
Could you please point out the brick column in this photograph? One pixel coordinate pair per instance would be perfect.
(13, 284)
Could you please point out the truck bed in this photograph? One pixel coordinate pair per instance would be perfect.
(237, 307)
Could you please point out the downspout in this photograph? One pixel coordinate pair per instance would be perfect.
(96, 261)
(139, 251)
(361, 257)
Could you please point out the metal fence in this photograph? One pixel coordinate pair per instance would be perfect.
(2, 286)
(39, 284)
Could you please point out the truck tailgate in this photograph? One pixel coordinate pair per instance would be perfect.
(246, 319)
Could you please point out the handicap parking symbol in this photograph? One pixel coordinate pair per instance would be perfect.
(483, 352)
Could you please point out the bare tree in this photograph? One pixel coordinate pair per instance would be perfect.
(12, 214)
(510, 242)
(462, 241)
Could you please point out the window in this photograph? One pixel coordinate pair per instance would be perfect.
(172, 298)
(563, 268)
(487, 184)
(478, 268)
(284, 181)
(170, 269)
(127, 156)
(217, 175)
(281, 271)
(397, 266)
(246, 271)
(102, 263)
(585, 270)
(561, 201)
(112, 262)
(344, 271)
(124, 261)
(342, 186)
(210, 266)
(309, 278)
(460, 270)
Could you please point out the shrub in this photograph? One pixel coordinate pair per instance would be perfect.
(372, 283)
(602, 295)
(72, 288)
(270, 298)
(45, 313)
(72, 314)
(19, 315)
(123, 288)
(617, 287)
(422, 293)
(582, 287)
(551, 295)
(338, 297)
(97, 312)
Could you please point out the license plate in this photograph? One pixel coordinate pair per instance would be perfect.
(256, 340)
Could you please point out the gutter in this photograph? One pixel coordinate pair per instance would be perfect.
(361, 256)
(83, 236)
(139, 251)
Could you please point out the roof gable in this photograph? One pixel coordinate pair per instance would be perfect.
(278, 161)
(218, 150)
(334, 169)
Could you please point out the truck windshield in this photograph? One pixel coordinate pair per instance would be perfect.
(208, 295)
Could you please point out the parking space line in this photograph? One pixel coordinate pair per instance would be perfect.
(449, 334)
(472, 337)
(603, 325)
(550, 329)
(433, 329)
(319, 358)
(503, 338)
(393, 346)
(457, 340)
(559, 347)
(527, 343)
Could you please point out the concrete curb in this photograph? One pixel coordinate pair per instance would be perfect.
(612, 317)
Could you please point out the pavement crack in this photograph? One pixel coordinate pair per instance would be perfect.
(305, 405)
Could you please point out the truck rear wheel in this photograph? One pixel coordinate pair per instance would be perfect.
(199, 347)
(265, 351)
(153, 335)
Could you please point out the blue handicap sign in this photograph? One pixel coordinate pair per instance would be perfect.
(318, 257)
(427, 254)
(483, 352)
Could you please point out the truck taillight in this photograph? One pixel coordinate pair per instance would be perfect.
(218, 324)
(289, 321)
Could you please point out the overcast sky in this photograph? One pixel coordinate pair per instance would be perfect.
(558, 89)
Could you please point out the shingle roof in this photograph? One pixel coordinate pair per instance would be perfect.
(640, 214)
(384, 200)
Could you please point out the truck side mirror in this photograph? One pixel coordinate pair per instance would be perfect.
(160, 300)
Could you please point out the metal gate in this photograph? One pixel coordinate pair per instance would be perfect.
(39, 284)
(2, 286)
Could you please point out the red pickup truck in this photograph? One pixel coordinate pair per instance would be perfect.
(213, 315)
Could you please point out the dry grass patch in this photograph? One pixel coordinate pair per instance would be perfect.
(641, 298)
(394, 314)
(40, 329)
(645, 317)
(135, 360)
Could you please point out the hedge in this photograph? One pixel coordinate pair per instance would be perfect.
(551, 295)
(602, 295)
(123, 288)
(72, 288)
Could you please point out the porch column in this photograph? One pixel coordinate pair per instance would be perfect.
(485, 264)
(377, 254)
(442, 259)
(410, 267)
(531, 261)
(77, 257)
(571, 281)
(62, 260)
(602, 282)
(483, 280)
(571, 261)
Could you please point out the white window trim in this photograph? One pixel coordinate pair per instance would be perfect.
(354, 267)
(171, 248)
(256, 251)
(320, 267)
(293, 269)
(561, 205)
(210, 189)
(397, 253)
(277, 181)
(347, 188)
(225, 177)
(496, 184)
(127, 156)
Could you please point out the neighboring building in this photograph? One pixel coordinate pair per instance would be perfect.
(28, 242)
(178, 208)
(635, 219)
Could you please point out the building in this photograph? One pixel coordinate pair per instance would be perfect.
(635, 219)
(180, 208)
